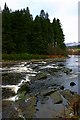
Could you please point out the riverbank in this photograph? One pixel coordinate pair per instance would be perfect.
(12, 59)
(25, 56)
(73, 51)
(52, 58)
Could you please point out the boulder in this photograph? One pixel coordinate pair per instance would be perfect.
(56, 98)
(72, 84)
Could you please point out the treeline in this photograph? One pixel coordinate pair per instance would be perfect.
(23, 34)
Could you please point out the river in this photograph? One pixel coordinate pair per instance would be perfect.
(41, 76)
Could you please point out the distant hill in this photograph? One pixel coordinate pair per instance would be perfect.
(73, 48)
(74, 44)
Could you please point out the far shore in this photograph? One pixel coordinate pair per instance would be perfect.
(45, 58)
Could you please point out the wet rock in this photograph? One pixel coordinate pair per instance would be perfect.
(52, 70)
(56, 98)
(61, 64)
(6, 93)
(72, 84)
(73, 93)
(9, 110)
(21, 96)
(47, 92)
(11, 78)
(66, 94)
(66, 70)
(24, 87)
(27, 109)
(8, 63)
(34, 66)
(41, 75)
(37, 109)
(62, 87)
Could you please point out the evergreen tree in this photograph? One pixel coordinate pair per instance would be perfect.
(23, 34)
(6, 9)
(42, 14)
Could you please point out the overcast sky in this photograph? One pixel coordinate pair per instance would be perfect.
(65, 10)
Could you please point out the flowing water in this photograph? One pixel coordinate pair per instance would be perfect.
(24, 72)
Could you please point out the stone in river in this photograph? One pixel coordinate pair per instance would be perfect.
(61, 64)
(72, 84)
(41, 75)
(62, 87)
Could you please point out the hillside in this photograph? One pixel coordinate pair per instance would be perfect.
(73, 48)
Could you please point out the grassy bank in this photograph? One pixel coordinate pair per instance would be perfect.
(23, 56)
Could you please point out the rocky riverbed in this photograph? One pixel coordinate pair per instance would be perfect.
(39, 88)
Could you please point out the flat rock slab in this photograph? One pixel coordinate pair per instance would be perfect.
(56, 98)
(27, 108)
(47, 92)
(66, 94)
(41, 75)
(9, 110)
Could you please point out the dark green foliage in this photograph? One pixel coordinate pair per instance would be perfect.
(22, 34)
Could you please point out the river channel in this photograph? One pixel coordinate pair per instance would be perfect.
(32, 89)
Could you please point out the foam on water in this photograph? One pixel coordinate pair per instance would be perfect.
(12, 98)
(27, 100)
(49, 66)
(73, 76)
(12, 87)
(43, 62)
(21, 116)
(18, 68)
